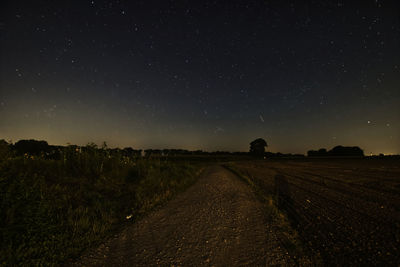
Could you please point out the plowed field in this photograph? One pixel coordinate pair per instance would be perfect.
(347, 211)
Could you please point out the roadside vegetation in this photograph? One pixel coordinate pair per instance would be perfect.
(55, 205)
(277, 218)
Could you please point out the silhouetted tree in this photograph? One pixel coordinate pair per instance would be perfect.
(337, 151)
(320, 153)
(257, 147)
(31, 147)
(54, 152)
(346, 151)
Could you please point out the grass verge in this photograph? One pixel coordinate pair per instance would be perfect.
(53, 210)
(277, 218)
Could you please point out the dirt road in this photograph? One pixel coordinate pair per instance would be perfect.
(216, 222)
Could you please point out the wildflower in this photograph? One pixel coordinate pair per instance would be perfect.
(129, 216)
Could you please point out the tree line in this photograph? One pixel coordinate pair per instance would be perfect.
(257, 149)
(337, 151)
(43, 149)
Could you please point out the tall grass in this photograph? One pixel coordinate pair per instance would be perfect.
(52, 210)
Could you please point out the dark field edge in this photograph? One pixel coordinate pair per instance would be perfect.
(199, 171)
(279, 219)
(37, 236)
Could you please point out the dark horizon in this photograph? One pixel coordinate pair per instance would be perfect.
(205, 75)
(324, 152)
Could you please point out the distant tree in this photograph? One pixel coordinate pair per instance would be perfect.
(31, 147)
(337, 151)
(257, 147)
(320, 153)
(346, 151)
(312, 153)
(54, 152)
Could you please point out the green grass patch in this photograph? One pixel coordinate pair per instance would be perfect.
(53, 210)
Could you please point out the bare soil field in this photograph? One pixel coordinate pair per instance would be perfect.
(345, 210)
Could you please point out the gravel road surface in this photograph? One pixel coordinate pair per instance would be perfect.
(216, 222)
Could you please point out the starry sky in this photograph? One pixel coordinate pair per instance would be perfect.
(210, 75)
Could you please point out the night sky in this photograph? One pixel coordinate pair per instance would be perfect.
(211, 75)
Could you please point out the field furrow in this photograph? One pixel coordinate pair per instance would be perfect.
(347, 214)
